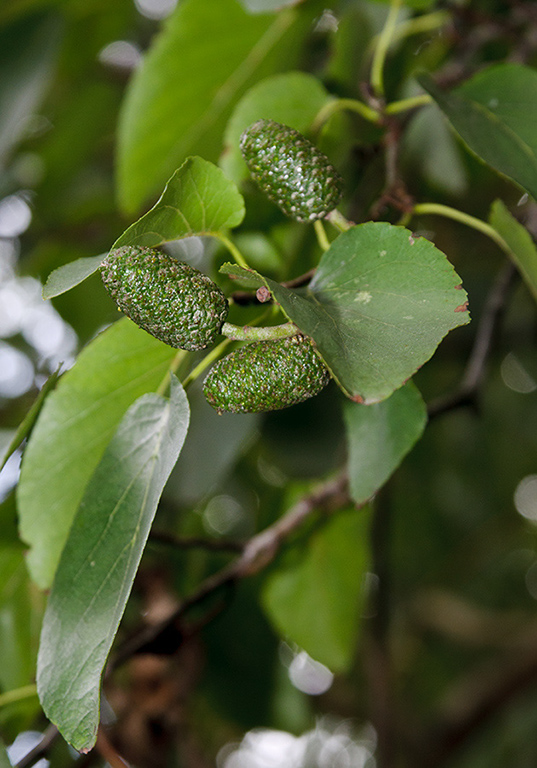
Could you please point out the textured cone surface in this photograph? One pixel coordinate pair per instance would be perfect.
(291, 170)
(266, 376)
(170, 300)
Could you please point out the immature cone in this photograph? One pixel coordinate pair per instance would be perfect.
(169, 299)
(291, 170)
(266, 376)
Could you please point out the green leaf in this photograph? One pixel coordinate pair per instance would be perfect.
(267, 6)
(4, 759)
(247, 278)
(26, 425)
(179, 100)
(495, 114)
(293, 98)
(67, 276)
(100, 560)
(28, 51)
(380, 303)
(20, 614)
(75, 425)
(197, 200)
(519, 240)
(379, 437)
(316, 601)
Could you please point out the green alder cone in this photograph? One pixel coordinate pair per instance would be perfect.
(169, 299)
(266, 376)
(291, 171)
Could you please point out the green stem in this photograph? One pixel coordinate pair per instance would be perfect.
(213, 355)
(321, 235)
(384, 41)
(405, 104)
(339, 105)
(425, 23)
(19, 694)
(174, 365)
(464, 218)
(264, 333)
(232, 248)
(338, 220)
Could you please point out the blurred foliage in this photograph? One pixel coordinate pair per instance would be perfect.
(442, 668)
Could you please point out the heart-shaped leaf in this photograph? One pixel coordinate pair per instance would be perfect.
(519, 240)
(315, 597)
(495, 114)
(73, 429)
(100, 560)
(380, 303)
(198, 200)
(379, 437)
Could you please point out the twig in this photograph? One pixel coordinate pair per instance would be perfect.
(474, 374)
(49, 737)
(257, 553)
(195, 542)
(108, 752)
(378, 662)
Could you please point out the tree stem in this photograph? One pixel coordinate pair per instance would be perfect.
(381, 51)
(338, 220)
(339, 105)
(321, 235)
(464, 218)
(232, 248)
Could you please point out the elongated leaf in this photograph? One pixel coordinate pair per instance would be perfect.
(26, 425)
(316, 600)
(179, 100)
(292, 98)
(519, 240)
(197, 200)
(67, 276)
(495, 114)
(100, 560)
(379, 305)
(28, 50)
(379, 437)
(73, 429)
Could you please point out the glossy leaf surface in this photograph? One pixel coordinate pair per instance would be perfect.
(380, 303)
(72, 431)
(100, 560)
